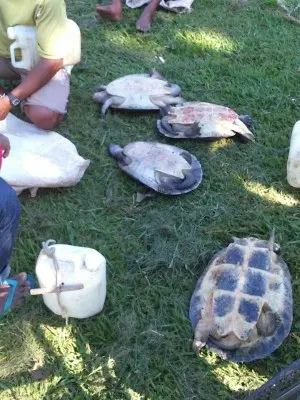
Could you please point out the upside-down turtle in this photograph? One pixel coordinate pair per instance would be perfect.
(138, 92)
(197, 120)
(242, 306)
(164, 168)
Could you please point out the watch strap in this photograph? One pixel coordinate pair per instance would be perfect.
(14, 101)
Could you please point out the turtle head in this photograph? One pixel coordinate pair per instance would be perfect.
(117, 152)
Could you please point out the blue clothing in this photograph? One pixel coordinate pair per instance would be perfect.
(10, 211)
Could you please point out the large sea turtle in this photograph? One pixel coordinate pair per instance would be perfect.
(197, 120)
(138, 92)
(242, 306)
(164, 168)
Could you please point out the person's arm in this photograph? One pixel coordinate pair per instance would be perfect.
(4, 143)
(41, 74)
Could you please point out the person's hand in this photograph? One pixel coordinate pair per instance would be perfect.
(4, 143)
(5, 107)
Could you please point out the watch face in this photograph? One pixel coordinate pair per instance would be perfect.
(16, 102)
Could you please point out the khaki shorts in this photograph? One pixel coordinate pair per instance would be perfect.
(54, 95)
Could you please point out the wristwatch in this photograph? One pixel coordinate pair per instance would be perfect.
(14, 101)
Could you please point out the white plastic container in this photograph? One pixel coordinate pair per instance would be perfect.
(77, 265)
(293, 164)
(25, 40)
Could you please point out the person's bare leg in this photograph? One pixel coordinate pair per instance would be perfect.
(143, 24)
(43, 117)
(111, 11)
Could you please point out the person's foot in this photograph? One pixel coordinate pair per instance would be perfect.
(143, 24)
(111, 11)
(22, 289)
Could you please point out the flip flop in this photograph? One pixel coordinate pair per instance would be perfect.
(13, 287)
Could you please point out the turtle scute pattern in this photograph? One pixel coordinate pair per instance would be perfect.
(243, 280)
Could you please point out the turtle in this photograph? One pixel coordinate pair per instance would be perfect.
(242, 306)
(200, 120)
(138, 92)
(164, 168)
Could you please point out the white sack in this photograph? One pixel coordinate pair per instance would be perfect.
(39, 158)
(171, 5)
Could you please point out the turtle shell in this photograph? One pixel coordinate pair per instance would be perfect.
(192, 112)
(164, 168)
(137, 89)
(242, 279)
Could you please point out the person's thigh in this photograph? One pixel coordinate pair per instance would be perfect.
(54, 95)
(7, 71)
(10, 211)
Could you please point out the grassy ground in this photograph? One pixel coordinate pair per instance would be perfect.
(245, 56)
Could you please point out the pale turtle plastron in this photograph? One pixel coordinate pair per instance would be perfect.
(242, 306)
(206, 121)
(164, 168)
(138, 92)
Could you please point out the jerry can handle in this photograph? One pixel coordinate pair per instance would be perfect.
(13, 47)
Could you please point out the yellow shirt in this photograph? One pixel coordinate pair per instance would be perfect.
(48, 16)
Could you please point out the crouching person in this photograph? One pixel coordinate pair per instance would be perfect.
(45, 86)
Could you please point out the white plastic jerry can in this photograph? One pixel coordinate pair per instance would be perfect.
(293, 164)
(25, 40)
(72, 280)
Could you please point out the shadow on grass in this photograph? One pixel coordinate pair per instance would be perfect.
(104, 375)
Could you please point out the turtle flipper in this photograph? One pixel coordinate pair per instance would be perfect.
(175, 89)
(267, 323)
(240, 128)
(162, 101)
(171, 184)
(193, 131)
(204, 326)
(111, 101)
(100, 96)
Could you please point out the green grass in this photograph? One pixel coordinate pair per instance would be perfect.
(140, 347)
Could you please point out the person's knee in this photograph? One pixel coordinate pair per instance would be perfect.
(43, 117)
